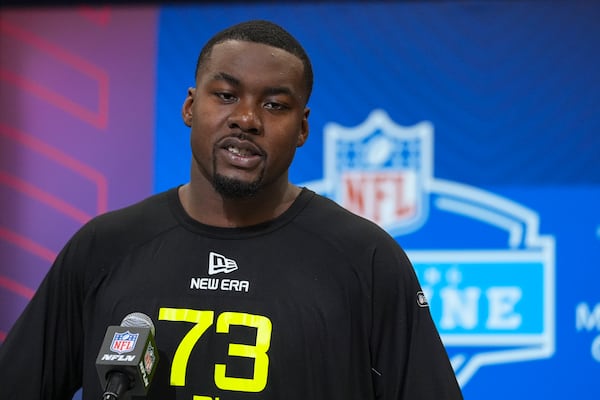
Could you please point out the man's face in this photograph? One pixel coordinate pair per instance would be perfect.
(247, 116)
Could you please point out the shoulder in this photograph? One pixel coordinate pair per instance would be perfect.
(146, 216)
(330, 217)
(116, 231)
(346, 231)
(360, 242)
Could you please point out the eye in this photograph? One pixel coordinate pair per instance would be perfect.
(271, 105)
(226, 97)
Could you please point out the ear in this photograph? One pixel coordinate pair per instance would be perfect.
(186, 110)
(303, 135)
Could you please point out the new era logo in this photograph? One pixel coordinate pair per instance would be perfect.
(218, 263)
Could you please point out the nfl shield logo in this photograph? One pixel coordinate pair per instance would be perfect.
(124, 342)
(381, 170)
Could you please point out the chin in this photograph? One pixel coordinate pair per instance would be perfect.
(235, 188)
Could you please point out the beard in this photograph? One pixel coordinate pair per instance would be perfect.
(232, 188)
(235, 188)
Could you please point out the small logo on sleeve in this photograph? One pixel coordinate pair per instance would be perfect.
(422, 299)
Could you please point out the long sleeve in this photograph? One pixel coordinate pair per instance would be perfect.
(41, 357)
(409, 360)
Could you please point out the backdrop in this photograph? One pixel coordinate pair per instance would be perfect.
(469, 130)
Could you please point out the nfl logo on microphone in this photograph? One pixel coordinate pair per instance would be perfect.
(124, 342)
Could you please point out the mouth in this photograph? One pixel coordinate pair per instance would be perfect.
(241, 147)
(240, 153)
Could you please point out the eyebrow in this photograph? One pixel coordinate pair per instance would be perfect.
(269, 91)
(223, 76)
(273, 91)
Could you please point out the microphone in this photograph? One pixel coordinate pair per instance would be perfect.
(127, 358)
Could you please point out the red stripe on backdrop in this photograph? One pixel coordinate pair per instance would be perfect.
(64, 159)
(16, 287)
(97, 118)
(27, 244)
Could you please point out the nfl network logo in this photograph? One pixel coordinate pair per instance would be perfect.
(124, 342)
(492, 303)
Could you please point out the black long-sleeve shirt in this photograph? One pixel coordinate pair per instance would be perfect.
(316, 304)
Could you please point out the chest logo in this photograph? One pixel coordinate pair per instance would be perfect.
(218, 263)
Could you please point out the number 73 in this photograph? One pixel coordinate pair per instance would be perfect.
(204, 319)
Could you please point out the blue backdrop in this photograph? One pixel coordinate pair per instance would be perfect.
(471, 131)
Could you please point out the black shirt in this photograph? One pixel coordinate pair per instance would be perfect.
(316, 304)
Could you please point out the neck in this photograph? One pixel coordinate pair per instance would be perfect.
(211, 208)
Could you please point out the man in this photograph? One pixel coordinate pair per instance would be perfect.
(258, 289)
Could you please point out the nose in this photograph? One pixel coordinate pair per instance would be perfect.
(245, 117)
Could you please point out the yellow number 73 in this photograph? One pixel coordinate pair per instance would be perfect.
(204, 319)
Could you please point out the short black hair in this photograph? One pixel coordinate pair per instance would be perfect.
(264, 32)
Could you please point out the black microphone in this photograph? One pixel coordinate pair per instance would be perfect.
(127, 358)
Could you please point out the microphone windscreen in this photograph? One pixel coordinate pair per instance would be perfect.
(138, 320)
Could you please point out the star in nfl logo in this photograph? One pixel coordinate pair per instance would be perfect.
(124, 342)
